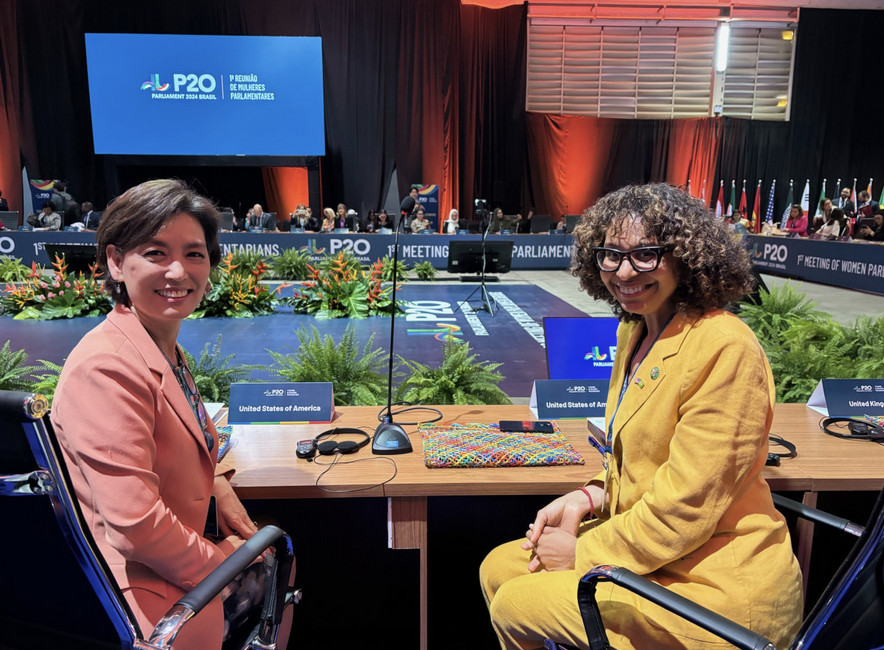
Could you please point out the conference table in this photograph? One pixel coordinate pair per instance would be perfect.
(267, 468)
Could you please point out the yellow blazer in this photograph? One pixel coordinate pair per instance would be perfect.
(689, 508)
(141, 470)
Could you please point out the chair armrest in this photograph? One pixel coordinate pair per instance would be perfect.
(818, 516)
(687, 609)
(209, 587)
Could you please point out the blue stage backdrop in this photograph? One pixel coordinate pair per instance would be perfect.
(513, 336)
(839, 264)
(551, 251)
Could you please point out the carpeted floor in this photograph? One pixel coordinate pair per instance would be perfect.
(513, 336)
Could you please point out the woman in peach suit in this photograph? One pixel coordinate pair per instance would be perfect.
(141, 451)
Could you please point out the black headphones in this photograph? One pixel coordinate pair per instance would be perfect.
(791, 451)
(859, 429)
(330, 447)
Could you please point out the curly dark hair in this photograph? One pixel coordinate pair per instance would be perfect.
(138, 214)
(713, 268)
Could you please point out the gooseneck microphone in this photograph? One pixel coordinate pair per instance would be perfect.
(390, 438)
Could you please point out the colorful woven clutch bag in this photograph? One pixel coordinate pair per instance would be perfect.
(485, 445)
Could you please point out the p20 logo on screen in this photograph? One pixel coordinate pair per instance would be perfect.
(190, 83)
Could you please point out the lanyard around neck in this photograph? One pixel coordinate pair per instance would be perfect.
(627, 378)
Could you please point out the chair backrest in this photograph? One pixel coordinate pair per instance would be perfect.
(850, 612)
(57, 590)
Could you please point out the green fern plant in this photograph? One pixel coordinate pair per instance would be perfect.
(804, 345)
(459, 380)
(213, 373)
(291, 264)
(13, 369)
(359, 377)
(425, 271)
(867, 335)
(46, 382)
(777, 311)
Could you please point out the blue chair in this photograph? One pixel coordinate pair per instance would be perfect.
(848, 616)
(58, 592)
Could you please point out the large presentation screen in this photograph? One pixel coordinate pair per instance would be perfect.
(180, 95)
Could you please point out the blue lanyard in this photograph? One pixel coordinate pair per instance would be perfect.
(627, 379)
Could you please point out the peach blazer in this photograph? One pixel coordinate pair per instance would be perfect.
(141, 470)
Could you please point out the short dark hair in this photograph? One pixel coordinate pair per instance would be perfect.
(138, 214)
(47, 204)
(713, 268)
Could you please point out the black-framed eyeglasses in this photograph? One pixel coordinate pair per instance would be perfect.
(192, 393)
(642, 259)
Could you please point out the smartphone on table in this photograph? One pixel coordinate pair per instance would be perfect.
(527, 426)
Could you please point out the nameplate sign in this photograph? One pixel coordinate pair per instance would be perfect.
(847, 398)
(561, 399)
(281, 403)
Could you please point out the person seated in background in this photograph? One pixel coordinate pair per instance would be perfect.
(352, 222)
(820, 219)
(300, 220)
(497, 221)
(257, 218)
(525, 224)
(739, 222)
(845, 203)
(384, 221)
(314, 224)
(560, 224)
(833, 226)
(4, 206)
(796, 224)
(875, 233)
(328, 220)
(684, 366)
(867, 207)
(91, 218)
(341, 217)
(47, 219)
(145, 468)
(420, 222)
(240, 224)
(452, 224)
(371, 222)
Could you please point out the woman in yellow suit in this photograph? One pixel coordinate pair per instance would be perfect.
(682, 501)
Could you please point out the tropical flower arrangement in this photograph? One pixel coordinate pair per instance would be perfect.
(338, 288)
(335, 287)
(237, 291)
(61, 295)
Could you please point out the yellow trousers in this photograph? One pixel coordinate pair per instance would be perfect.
(527, 608)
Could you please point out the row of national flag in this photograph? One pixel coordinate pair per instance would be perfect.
(726, 210)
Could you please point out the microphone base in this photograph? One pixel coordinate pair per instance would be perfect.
(390, 438)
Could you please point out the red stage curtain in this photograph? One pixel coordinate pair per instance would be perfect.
(10, 90)
(285, 187)
(693, 152)
(426, 143)
(490, 116)
(567, 160)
